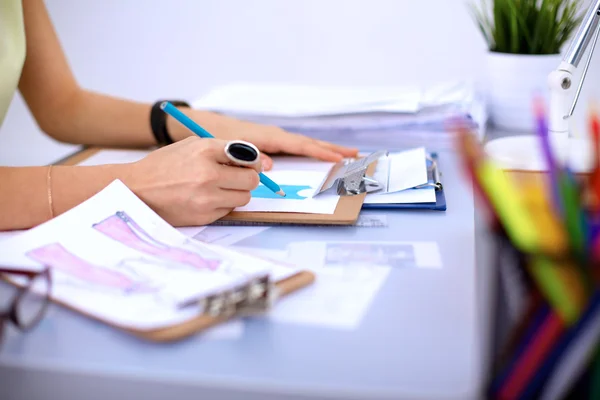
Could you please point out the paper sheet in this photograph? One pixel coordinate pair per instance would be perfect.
(405, 170)
(190, 231)
(338, 299)
(349, 275)
(400, 173)
(287, 100)
(408, 196)
(114, 258)
(280, 257)
(398, 254)
(9, 234)
(299, 187)
(299, 178)
(228, 235)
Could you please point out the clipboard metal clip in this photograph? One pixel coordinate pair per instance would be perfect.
(434, 169)
(254, 297)
(349, 177)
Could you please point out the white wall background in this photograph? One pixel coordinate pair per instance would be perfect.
(153, 49)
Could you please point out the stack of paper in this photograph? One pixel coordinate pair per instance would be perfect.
(333, 112)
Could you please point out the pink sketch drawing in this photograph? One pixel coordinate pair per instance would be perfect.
(124, 229)
(58, 258)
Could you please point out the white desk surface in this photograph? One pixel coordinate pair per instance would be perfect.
(424, 336)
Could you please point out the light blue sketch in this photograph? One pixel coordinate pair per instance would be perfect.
(291, 192)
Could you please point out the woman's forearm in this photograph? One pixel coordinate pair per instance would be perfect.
(62, 108)
(30, 196)
(100, 120)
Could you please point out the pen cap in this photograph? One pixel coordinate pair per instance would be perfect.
(242, 153)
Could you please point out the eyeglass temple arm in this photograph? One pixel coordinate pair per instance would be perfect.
(17, 271)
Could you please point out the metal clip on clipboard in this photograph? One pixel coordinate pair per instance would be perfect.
(254, 297)
(435, 173)
(349, 177)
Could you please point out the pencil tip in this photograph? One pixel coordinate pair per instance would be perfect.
(281, 193)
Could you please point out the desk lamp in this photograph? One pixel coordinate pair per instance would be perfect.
(524, 152)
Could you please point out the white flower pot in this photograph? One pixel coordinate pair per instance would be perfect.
(513, 81)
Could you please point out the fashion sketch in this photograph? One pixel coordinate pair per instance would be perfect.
(122, 228)
(81, 272)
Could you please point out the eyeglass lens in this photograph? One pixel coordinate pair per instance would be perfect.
(33, 301)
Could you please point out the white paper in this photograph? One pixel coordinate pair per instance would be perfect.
(299, 100)
(339, 297)
(349, 274)
(281, 258)
(400, 173)
(405, 170)
(299, 178)
(396, 254)
(278, 268)
(299, 187)
(9, 234)
(408, 196)
(190, 231)
(228, 235)
(114, 258)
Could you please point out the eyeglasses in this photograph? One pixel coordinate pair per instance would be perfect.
(29, 304)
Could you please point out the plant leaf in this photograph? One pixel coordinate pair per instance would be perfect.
(527, 26)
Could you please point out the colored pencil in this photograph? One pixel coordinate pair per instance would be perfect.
(201, 132)
(553, 170)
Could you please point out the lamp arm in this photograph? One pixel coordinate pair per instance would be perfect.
(560, 80)
(559, 83)
(584, 73)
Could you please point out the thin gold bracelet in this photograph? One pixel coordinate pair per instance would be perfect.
(49, 185)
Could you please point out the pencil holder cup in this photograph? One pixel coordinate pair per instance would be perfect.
(546, 325)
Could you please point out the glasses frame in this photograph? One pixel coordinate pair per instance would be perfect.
(10, 314)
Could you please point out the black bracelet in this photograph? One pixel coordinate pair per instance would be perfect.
(158, 121)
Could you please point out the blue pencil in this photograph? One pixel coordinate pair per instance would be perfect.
(198, 130)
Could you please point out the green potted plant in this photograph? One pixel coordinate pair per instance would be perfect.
(524, 40)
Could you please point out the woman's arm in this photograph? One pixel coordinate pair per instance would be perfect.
(187, 184)
(70, 114)
(32, 195)
(60, 106)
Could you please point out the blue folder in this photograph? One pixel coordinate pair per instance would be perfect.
(434, 179)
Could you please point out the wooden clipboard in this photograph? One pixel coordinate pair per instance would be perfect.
(193, 326)
(346, 211)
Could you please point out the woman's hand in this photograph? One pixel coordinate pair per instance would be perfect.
(188, 183)
(269, 139)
